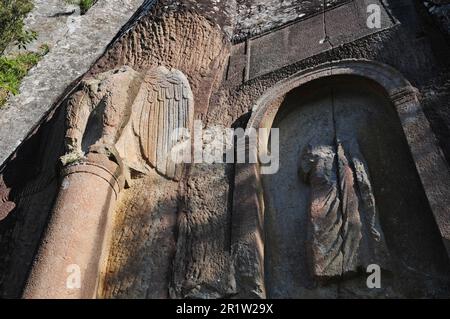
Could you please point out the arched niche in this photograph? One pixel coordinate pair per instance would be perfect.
(409, 177)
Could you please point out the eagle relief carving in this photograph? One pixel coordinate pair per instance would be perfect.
(134, 118)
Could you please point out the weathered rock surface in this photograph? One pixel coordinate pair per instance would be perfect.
(191, 239)
(75, 46)
(440, 10)
(52, 20)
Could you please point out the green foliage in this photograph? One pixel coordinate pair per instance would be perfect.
(84, 5)
(13, 69)
(12, 13)
(25, 38)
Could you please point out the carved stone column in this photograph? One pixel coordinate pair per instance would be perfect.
(68, 261)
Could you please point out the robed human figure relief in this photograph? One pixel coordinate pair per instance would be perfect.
(344, 233)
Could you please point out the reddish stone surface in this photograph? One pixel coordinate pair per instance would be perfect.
(76, 233)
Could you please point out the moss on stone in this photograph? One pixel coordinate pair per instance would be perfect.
(14, 68)
(84, 5)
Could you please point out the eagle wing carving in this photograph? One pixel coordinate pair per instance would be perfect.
(164, 105)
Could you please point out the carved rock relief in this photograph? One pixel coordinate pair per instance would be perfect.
(118, 122)
(132, 117)
(340, 202)
(343, 234)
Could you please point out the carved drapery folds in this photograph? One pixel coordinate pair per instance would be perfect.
(344, 232)
(117, 122)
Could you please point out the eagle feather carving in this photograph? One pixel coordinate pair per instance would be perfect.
(164, 105)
